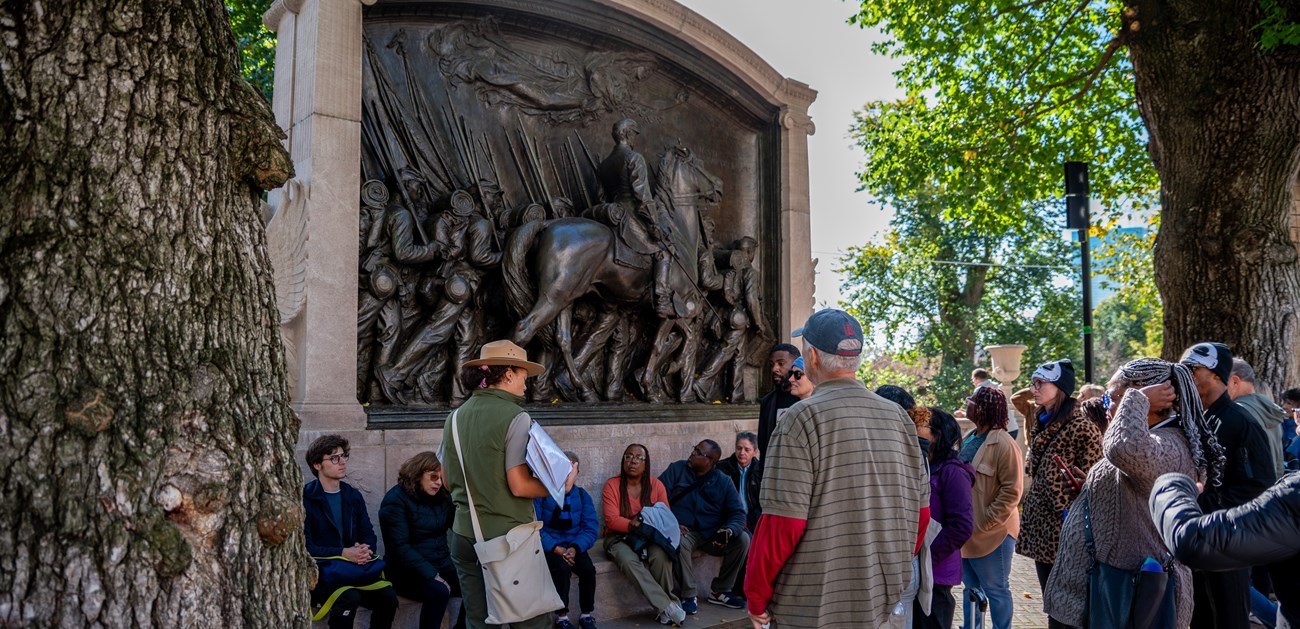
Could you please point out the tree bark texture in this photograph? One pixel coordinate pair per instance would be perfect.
(146, 438)
(1224, 124)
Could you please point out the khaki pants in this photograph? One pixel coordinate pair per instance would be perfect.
(654, 576)
(733, 559)
(474, 590)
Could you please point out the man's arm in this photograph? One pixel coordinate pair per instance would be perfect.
(1256, 533)
(773, 543)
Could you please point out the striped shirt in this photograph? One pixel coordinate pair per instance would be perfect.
(845, 460)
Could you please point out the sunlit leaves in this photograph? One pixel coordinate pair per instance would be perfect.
(256, 43)
(1000, 94)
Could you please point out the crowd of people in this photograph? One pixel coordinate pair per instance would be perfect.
(1162, 499)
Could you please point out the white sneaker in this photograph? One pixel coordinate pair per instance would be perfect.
(672, 615)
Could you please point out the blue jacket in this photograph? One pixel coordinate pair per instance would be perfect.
(325, 538)
(580, 510)
(415, 533)
(714, 505)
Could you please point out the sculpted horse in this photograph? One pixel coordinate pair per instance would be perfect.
(550, 264)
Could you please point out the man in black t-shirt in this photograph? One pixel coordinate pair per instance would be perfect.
(1222, 599)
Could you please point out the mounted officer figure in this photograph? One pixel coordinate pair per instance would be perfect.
(643, 226)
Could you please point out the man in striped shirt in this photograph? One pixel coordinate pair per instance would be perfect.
(844, 487)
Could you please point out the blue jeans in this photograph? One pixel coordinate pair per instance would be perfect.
(1263, 608)
(987, 577)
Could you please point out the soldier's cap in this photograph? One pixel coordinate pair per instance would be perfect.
(832, 331)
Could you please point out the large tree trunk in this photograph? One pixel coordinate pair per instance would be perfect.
(145, 433)
(1224, 121)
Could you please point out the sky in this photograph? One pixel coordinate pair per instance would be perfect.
(815, 45)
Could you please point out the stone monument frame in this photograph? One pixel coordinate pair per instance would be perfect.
(317, 102)
(313, 233)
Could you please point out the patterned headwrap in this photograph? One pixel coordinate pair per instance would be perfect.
(1207, 454)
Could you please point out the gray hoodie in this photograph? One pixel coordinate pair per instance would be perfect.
(1270, 417)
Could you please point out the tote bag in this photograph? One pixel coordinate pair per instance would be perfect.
(517, 580)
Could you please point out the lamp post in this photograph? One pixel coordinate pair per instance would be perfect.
(1077, 217)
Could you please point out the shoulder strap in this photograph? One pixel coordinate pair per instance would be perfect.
(682, 493)
(473, 513)
(1088, 542)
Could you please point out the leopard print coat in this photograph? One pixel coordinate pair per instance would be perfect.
(1078, 442)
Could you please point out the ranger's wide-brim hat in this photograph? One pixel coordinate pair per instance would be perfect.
(506, 354)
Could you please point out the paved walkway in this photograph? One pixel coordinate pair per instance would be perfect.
(1024, 591)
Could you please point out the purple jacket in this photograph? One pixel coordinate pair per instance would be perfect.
(950, 505)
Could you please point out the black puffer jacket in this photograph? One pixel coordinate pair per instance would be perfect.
(415, 533)
(1264, 531)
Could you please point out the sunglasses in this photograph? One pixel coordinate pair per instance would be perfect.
(796, 375)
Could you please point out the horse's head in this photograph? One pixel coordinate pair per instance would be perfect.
(682, 177)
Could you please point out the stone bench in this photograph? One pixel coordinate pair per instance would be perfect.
(616, 597)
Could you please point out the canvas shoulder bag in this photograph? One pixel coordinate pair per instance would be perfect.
(515, 575)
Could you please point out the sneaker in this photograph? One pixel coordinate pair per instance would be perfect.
(690, 606)
(564, 623)
(586, 622)
(725, 600)
(672, 615)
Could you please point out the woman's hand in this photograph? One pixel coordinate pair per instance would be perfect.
(1160, 395)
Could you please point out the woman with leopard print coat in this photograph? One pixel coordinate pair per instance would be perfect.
(1057, 427)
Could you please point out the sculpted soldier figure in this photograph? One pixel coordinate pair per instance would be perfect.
(396, 250)
(740, 289)
(464, 242)
(626, 179)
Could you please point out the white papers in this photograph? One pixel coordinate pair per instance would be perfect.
(548, 462)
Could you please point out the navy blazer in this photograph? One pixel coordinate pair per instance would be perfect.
(325, 538)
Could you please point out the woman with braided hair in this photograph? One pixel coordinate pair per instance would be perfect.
(1156, 427)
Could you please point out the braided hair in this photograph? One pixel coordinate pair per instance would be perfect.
(1207, 454)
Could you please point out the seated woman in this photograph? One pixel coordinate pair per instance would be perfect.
(414, 518)
(567, 534)
(622, 500)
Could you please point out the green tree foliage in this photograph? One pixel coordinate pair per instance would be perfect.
(256, 43)
(999, 94)
(928, 310)
(1128, 324)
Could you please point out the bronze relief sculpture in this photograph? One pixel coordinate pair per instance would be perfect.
(476, 224)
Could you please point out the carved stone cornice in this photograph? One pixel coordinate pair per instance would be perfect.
(693, 31)
(271, 19)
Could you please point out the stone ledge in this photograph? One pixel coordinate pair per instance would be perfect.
(616, 597)
(387, 417)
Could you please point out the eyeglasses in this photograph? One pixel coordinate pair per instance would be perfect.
(1037, 384)
(696, 452)
(637, 458)
(796, 375)
(338, 458)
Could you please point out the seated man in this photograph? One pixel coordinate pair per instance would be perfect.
(337, 525)
(746, 472)
(712, 520)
